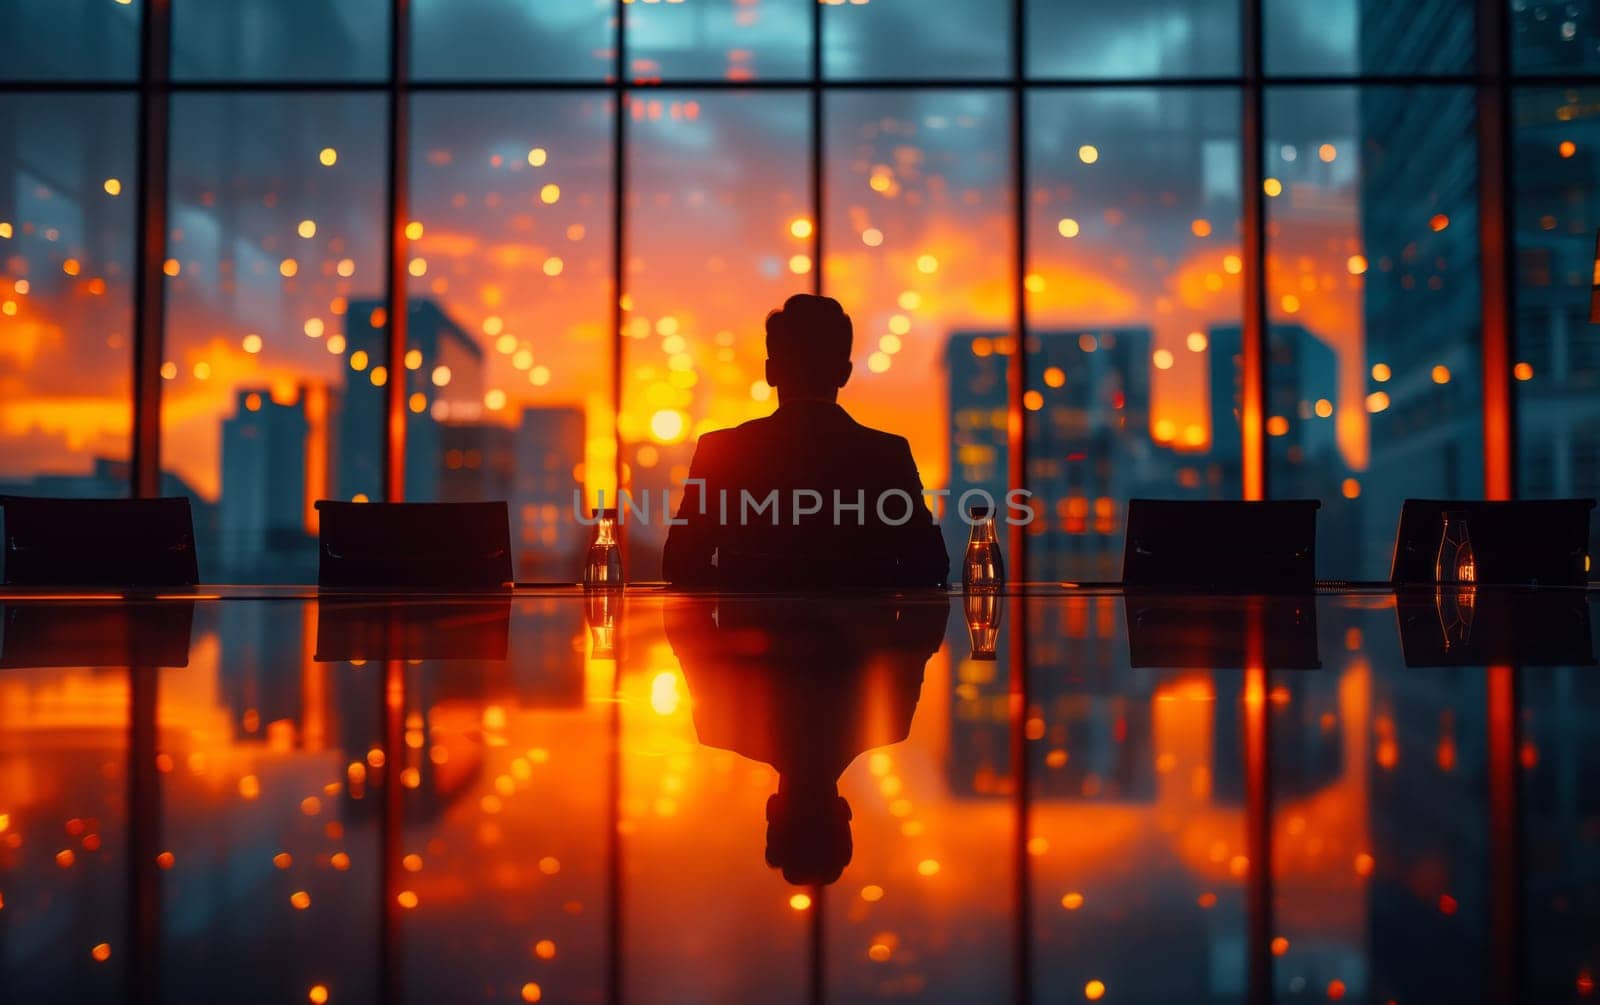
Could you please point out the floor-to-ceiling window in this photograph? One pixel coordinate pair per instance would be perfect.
(1073, 219)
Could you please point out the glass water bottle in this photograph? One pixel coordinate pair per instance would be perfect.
(1456, 563)
(603, 567)
(984, 567)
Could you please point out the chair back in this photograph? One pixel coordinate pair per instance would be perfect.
(1262, 547)
(98, 542)
(461, 546)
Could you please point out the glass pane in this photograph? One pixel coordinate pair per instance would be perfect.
(1560, 791)
(908, 38)
(719, 39)
(1134, 284)
(919, 230)
(49, 39)
(718, 192)
(280, 39)
(271, 399)
(67, 205)
(269, 822)
(64, 825)
(1104, 38)
(513, 39)
(1556, 208)
(510, 395)
(507, 865)
(1372, 281)
(1305, 37)
(1551, 37)
(1156, 758)
(699, 745)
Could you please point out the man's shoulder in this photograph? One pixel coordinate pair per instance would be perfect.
(882, 439)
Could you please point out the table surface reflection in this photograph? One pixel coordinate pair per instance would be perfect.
(1058, 794)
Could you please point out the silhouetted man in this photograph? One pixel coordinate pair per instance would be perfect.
(805, 684)
(806, 497)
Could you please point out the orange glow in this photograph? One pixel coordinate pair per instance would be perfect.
(1438, 222)
(1094, 990)
(1072, 901)
(1523, 371)
(1567, 148)
(1441, 375)
(300, 899)
(1364, 864)
(65, 858)
(1327, 152)
(800, 228)
(1201, 228)
(1272, 187)
(1280, 945)
(928, 867)
(101, 952)
(1335, 990)
(872, 893)
(800, 902)
(249, 787)
(406, 899)
(531, 992)
(318, 995)
(545, 949)
(1350, 488)
(282, 860)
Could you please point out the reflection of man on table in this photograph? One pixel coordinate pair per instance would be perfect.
(805, 685)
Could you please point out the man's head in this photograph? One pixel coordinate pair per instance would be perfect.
(808, 833)
(808, 347)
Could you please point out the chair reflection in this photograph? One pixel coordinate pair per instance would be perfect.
(453, 629)
(1474, 626)
(1274, 632)
(99, 634)
(806, 686)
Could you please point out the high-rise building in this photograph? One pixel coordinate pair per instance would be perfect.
(1089, 443)
(263, 531)
(546, 537)
(444, 375)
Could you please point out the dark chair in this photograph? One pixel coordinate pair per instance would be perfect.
(98, 542)
(1249, 546)
(461, 546)
(1528, 542)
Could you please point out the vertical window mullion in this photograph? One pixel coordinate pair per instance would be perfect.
(397, 248)
(150, 249)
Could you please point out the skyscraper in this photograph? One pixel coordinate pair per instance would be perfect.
(263, 534)
(444, 384)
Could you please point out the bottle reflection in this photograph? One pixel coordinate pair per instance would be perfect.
(983, 610)
(1456, 605)
(602, 609)
(805, 686)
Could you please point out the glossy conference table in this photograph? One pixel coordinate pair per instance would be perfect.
(267, 795)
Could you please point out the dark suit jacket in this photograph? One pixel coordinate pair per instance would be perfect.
(804, 445)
